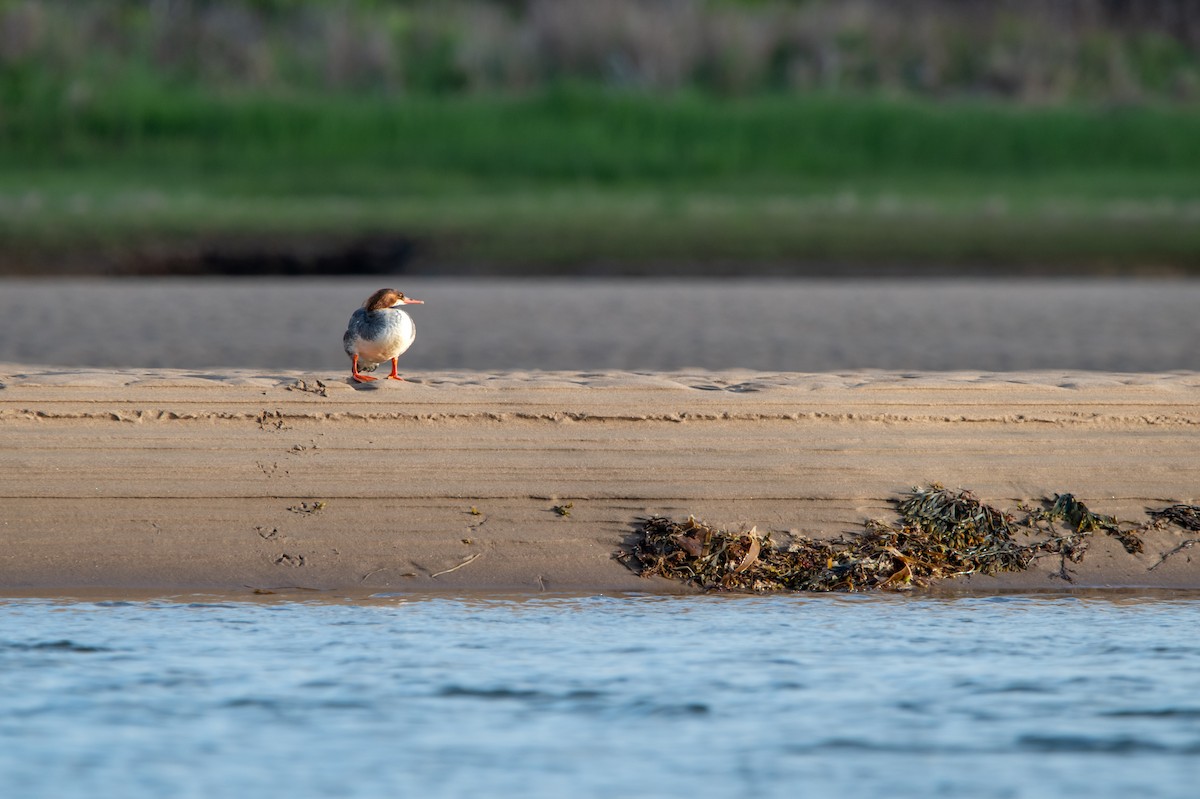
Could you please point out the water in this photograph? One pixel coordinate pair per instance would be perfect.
(1011, 696)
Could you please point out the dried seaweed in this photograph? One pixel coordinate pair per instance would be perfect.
(1065, 508)
(964, 529)
(1185, 516)
(1188, 544)
(715, 559)
(940, 534)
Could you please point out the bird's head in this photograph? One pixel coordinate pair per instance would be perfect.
(389, 298)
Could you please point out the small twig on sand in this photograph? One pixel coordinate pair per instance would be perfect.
(1185, 545)
(363, 579)
(456, 568)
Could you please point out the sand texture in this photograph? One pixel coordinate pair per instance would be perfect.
(240, 480)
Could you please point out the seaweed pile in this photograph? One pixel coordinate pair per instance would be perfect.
(1185, 516)
(1081, 523)
(940, 534)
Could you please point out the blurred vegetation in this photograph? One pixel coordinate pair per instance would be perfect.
(549, 134)
(1033, 50)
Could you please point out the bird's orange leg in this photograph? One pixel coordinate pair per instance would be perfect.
(393, 375)
(359, 376)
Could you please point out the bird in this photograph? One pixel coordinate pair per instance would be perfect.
(379, 331)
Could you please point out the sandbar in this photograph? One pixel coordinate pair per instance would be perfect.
(455, 481)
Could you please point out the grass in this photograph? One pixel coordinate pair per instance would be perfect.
(574, 176)
(600, 138)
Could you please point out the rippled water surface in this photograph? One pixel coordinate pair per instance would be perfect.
(602, 697)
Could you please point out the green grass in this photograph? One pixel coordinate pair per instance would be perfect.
(574, 177)
(595, 137)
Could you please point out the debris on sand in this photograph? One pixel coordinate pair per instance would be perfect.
(315, 387)
(1188, 544)
(1065, 508)
(1185, 516)
(309, 508)
(940, 534)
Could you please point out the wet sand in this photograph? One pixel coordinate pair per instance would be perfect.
(239, 480)
(798, 326)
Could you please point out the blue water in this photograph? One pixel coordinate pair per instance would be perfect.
(1013, 696)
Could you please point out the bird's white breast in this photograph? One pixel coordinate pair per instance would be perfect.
(386, 340)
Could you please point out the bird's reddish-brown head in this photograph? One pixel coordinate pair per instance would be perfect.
(389, 298)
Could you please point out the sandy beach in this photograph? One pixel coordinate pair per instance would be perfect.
(244, 480)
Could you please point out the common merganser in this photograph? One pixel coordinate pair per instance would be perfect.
(379, 331)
